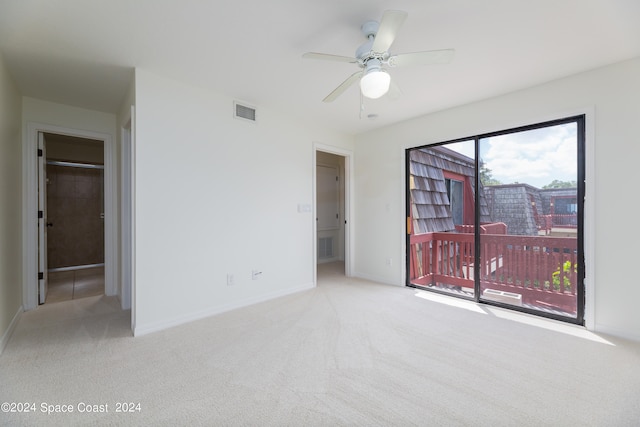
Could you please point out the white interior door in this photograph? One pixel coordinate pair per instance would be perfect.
(42, 220)
(328, 198)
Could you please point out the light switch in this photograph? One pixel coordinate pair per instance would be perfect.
(304, 207)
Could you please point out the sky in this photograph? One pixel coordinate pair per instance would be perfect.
(535, 157)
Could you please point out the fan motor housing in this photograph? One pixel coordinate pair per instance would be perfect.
(364, 52)
(370, 28)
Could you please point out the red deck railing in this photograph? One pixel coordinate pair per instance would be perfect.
(540, 269)
(487, 228)
(548, 222)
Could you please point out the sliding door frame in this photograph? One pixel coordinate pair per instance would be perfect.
(581, 143)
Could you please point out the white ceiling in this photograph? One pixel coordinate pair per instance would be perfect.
(82, 52)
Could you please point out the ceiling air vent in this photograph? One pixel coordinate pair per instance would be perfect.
(244, 112)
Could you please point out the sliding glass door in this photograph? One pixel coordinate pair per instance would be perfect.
(441, 218)
(497, 218)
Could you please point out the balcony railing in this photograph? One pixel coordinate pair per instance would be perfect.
(487, 228)
(548, 222)
(541, 271)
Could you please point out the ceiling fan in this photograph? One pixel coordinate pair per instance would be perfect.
(373, 57)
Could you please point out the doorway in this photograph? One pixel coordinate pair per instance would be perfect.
(332, 189)
(35, 266)
(74, 212)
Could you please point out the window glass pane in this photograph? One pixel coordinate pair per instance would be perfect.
(441, 191)
(530, 182)
(456, 201)
(506, 227)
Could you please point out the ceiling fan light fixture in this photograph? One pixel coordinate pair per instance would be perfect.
(373, 55)
(375, 83)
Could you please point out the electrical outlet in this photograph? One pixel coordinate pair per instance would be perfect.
(389, 262)
(230, 280)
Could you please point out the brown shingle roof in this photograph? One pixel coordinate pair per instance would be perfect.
(430, 203)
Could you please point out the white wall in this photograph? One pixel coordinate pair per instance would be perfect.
(10, 204)
(39, 111)
(609, 96)
(215, 196)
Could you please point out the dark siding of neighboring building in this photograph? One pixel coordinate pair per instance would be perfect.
(430, 203)
(548, 194)
(520, 206)
(515, 205)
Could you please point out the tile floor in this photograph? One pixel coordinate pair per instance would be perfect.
(74, 284)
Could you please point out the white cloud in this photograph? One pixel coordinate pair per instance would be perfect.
(465, 147)
(535, 157)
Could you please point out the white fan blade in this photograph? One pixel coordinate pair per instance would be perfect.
(391, 22)
(328, 57)
(421, 58)
(343, 86)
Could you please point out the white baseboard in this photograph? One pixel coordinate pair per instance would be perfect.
(376, 279)
(144, 329)
(12, 326)
(616, 332)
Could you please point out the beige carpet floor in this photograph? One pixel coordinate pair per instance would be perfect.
(349, 352)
